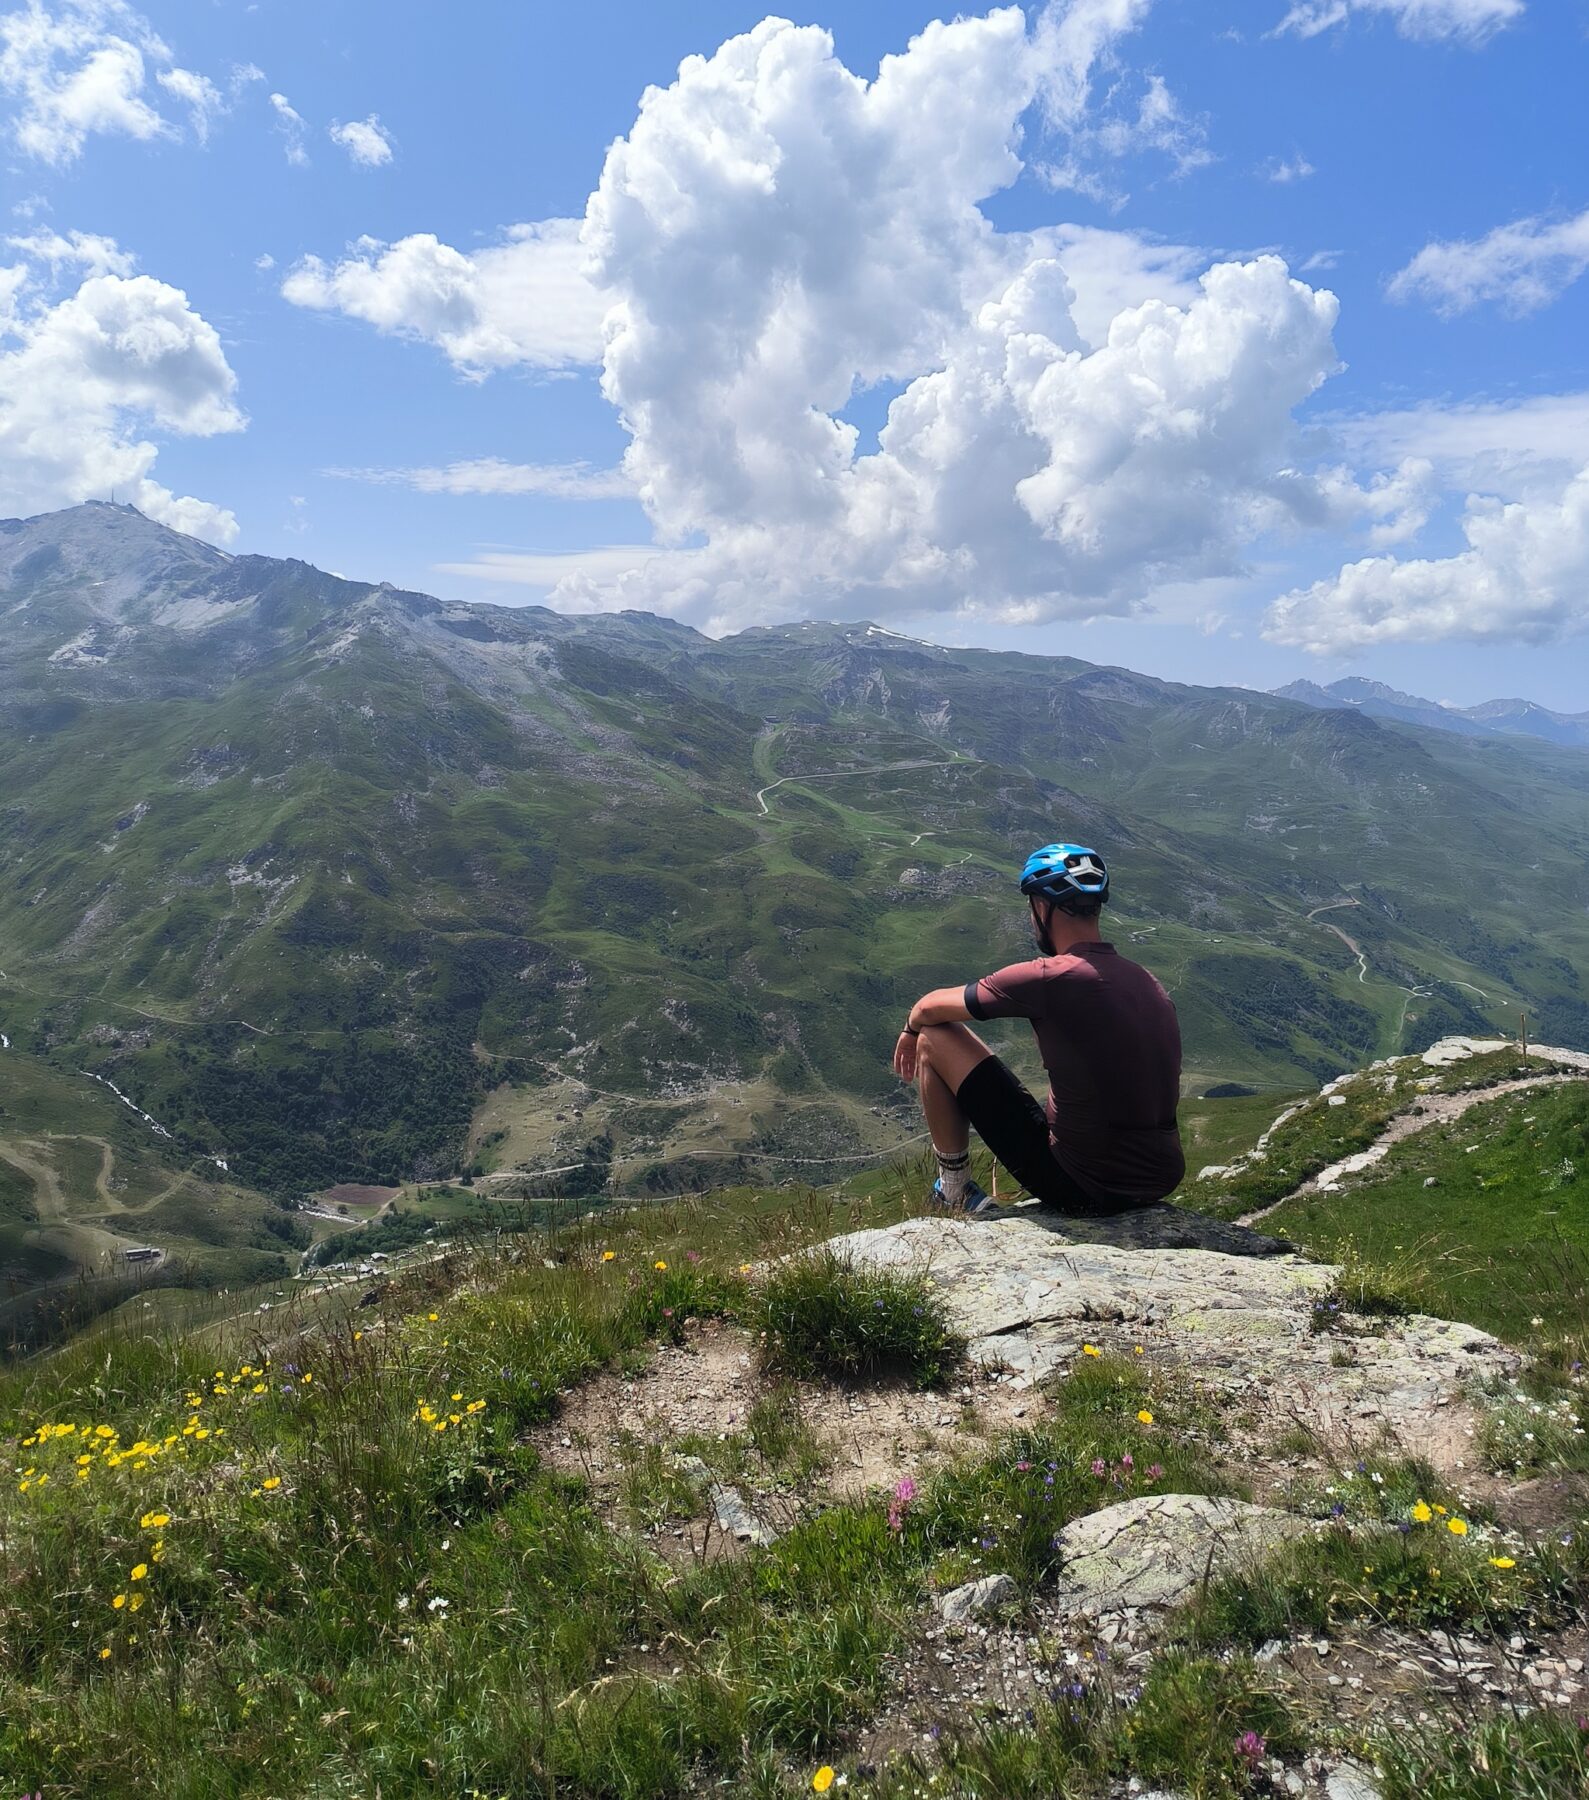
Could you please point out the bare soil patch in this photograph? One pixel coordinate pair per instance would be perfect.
(706, 1386)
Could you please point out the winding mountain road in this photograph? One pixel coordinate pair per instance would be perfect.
(953, 762)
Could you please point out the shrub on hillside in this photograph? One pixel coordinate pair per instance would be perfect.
(822, 1317)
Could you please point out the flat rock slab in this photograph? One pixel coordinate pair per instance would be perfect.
(1351, 1782)
(976, 1597)
(1027, 1298)
(1153, 1552)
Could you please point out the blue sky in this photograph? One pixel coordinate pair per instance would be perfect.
(328, 346)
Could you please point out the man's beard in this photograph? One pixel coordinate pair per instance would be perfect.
(1045, 943)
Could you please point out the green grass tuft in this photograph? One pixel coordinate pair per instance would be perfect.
(1418, 1575)
(1538, 1757)
(822, 1318)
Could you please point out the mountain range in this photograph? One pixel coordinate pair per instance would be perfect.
(329, 877)
(1493, 718)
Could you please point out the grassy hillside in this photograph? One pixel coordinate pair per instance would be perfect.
(1487, 1216)
(314, 870)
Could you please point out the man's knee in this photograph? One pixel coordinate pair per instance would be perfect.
(935, 1043)
(950, 1052)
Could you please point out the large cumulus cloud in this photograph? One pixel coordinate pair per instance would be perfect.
(776, 235)
(83, 377)
(1524, 575)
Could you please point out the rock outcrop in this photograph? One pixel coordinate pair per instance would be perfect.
(1153, 1552)
(1029, 1296)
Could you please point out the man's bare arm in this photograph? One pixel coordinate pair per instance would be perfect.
(943, 1006)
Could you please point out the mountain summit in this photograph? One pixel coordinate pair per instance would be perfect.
(1497, 718)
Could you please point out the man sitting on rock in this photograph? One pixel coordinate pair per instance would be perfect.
(1109, 1040)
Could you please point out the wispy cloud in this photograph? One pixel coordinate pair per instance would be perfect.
(1522, 266)
(525, 301)
(602, 565)
(491, 475)
(1470, 21)
(290, 123)
(367, 141)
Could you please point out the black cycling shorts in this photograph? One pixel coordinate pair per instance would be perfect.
(1014, 1127)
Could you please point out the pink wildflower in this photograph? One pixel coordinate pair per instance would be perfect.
(904, 1493)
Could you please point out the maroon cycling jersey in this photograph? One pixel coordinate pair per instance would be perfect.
(1111, 1045)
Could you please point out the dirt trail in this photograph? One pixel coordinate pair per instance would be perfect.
(46, 1184)
(1433, 1109)
(1350, 942)
(107, 1162)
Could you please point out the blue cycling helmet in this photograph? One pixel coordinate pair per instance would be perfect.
(1070, 875)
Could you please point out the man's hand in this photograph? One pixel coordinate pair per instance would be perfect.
(905, 1056)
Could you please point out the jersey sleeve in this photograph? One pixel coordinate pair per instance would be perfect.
(1016, 992)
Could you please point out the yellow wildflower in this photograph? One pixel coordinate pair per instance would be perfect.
(659, 1264)
(432, 1317)
(1422, 1513)
(139, 1570)
(1457, 1527)
(608, 1255)
(1145, 1417)
(119, 1602)
(1091, 1350)
(104, 1653)
(1503, 1562)
(823, 1779)
(153, 1521)
(271, 1481)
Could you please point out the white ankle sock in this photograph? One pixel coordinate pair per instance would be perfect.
(954, 1171)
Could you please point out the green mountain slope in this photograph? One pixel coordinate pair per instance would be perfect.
(309, 867)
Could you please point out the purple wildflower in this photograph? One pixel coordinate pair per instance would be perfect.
(1250, 1748)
